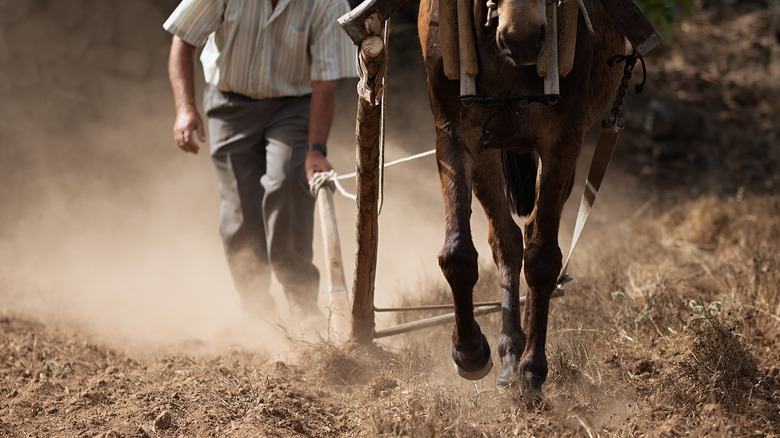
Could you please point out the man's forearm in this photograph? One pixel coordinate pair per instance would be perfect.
(181, 70)
(323, 104)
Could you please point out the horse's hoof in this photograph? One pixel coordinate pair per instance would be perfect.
(474, 372)
(533, 393)
(508, 377)
(533, 383)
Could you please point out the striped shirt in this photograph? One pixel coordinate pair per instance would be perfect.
(261, 51)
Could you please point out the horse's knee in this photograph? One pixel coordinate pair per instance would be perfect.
(458, 262)
(507, 258)
(542, 266)
(508, 252)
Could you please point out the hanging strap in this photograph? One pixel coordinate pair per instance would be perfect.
(610, 131)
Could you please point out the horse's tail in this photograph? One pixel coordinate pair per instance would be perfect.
(520, 176)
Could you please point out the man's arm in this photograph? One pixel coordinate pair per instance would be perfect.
(323, 104)
(181, 69)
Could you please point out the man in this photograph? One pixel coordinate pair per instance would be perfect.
(271, 69)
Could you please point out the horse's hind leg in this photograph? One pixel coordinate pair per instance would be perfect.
(542, 255)
(506, 243)
(458, 257)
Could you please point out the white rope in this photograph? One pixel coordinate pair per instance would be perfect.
(393, 163)
(343, 191)
(322, 178)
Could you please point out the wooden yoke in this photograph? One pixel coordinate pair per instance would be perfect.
(354, 21)
(547, 64)
(634, 25)
(467, 49)
(458, 47)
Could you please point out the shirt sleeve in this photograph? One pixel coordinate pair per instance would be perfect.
(332, 52)
(194, 20)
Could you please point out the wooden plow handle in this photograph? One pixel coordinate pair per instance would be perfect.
(339, 318)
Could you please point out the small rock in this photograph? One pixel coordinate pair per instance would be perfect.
(142, 433)
(774, 371)
(163, 421)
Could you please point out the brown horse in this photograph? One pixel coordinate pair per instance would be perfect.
(488, 149)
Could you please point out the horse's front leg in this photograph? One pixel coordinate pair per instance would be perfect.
(542, 255)
(458, 257)
(506, 243)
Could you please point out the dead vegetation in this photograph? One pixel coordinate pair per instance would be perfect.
(664, 339)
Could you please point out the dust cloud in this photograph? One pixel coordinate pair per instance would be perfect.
(106, 224)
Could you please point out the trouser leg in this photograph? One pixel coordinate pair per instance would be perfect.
(288, 207)
(239, 160)
(242, 228)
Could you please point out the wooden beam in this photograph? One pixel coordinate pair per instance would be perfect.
(369, 112)
(634, 25)
(354, 21)
(436, 320)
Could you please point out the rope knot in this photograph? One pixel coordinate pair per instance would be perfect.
(321, 179)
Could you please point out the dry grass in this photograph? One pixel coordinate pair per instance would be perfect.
(673, 329)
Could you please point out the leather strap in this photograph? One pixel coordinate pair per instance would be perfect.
(318, 147)
(610, 130)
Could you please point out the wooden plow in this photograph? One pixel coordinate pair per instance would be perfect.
(364, 25)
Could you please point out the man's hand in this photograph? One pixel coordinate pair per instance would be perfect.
(181, 68)
(316, 162)
(188, 121)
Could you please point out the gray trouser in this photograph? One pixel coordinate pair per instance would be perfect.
(266, 220)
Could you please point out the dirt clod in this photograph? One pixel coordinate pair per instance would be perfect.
(163, 421)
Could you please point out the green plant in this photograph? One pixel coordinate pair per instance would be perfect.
(54, 368)
(703, 312)
(664, 13)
